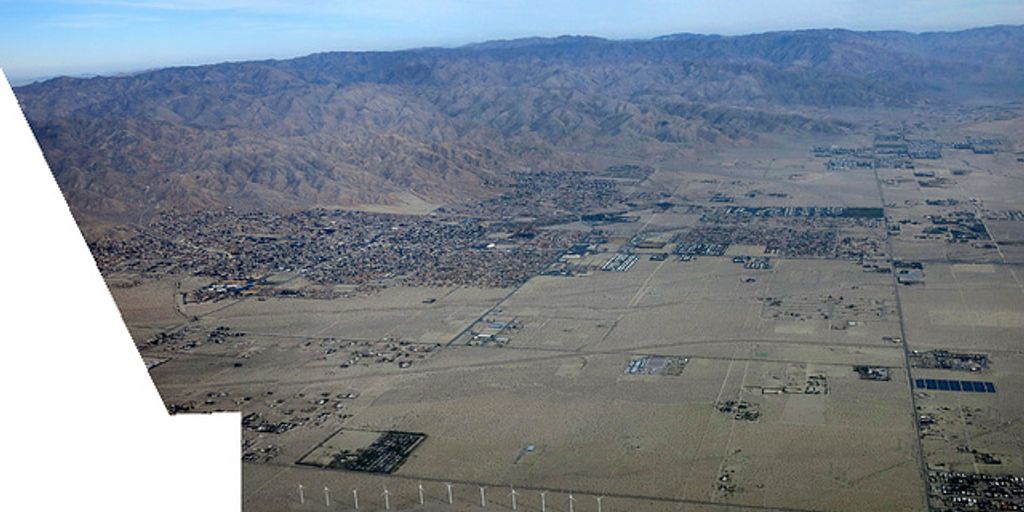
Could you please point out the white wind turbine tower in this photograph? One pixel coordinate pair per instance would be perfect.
(449, 493)
(387, 499)
(599, 498)
(543, 502)
(572, 501)
(302, 497)
(355, 499)
(327, 496)
(420, 487)
(483, 500)
(513, 495)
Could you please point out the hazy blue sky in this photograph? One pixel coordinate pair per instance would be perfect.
(47, 37)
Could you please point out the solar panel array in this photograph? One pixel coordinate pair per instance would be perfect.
(966, 386)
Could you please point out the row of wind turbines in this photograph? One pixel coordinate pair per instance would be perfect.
(513, 495)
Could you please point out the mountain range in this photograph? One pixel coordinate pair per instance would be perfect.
(437, 125)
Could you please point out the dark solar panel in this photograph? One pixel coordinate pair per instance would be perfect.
(966, 386)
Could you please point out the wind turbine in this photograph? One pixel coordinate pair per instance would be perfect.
(327, 496)
(387, 499)
(483, 500)
(420, 487)
(302, 497)
(449, 493)
(513, 495)
(572, 501)
(355, 499)
(599, 498)
(543, 502)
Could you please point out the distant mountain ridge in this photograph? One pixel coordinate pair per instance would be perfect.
(352, 128)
